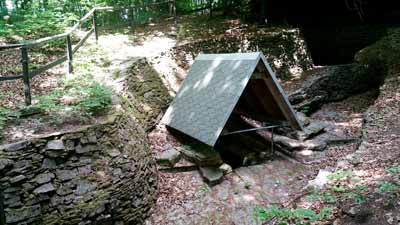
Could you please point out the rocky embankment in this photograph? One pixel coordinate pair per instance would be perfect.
(98, 174)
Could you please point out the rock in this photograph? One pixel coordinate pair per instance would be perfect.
(212, 175)
(49, 164)
(202, 156)
(308, 156)
(84, 187)
(92, 138)
(354, 158)
(5, 163)
(55, 145)
(113, 153)
(21, 214)
(15, 146)
(64, 190)
(226, 168)
(44, 178)
(17, 179)
(12, 199)
(148, 94)
(303, 118)
(85, 170)
(321, 180)
(45, 188)
(65, 175)
(168, 157)
(69, 100)
(315, 145)
(27, 186)
(342, 164)
(310, 131)
(85, 149)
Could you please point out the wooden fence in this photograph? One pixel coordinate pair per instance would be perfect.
(27, 75)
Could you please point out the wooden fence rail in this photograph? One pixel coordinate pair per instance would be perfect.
(27, 75)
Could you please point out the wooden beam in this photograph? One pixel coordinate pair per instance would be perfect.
(279, 96)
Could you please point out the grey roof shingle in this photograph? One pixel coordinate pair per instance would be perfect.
(209, 94)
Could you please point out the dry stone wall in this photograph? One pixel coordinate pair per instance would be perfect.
(100, 174)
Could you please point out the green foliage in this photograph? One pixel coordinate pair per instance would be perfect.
(340, 175)
(394, 170)
(97, 99)
(357, 194)
(204, 189)
(289, 216)
(340, 193)
(386, 186)
(305, 109)
(328, 197)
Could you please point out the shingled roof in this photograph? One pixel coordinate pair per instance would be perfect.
(216, 84)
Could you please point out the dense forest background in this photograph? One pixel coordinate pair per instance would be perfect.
(348, 25)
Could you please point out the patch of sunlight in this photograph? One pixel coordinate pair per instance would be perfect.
(278, 63)
(305, 152)
(206, 80)
(248, 198)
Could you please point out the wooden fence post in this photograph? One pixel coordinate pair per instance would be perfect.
(25, 73)
(69, 54)
(210, 5)
(175, 19)
(96, 34)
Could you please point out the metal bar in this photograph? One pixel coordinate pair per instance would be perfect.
(2, 214)
(83, 40)
(47, 66)
(69, 54)
(25, 73)
(95, 25)
(251, 129)
(11, 78)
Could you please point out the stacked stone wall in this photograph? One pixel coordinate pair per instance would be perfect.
(99, 174)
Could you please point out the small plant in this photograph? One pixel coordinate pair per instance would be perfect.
(96, 100)
(305, 109)
(328, 197)
(358, 194)
(386, 186)
(338, 189)
(204, 189)
(287, 215)
(340, 175)
(394, 169)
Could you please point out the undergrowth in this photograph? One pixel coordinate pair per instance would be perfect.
(78, 99)
(285, 216)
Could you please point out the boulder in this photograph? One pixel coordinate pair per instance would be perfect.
(211, 175)
(169, 157)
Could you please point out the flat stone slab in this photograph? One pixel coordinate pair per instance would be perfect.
(169, 157)
(212, 175)
(234, 200)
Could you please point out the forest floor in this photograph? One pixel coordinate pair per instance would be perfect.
(363, 186)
